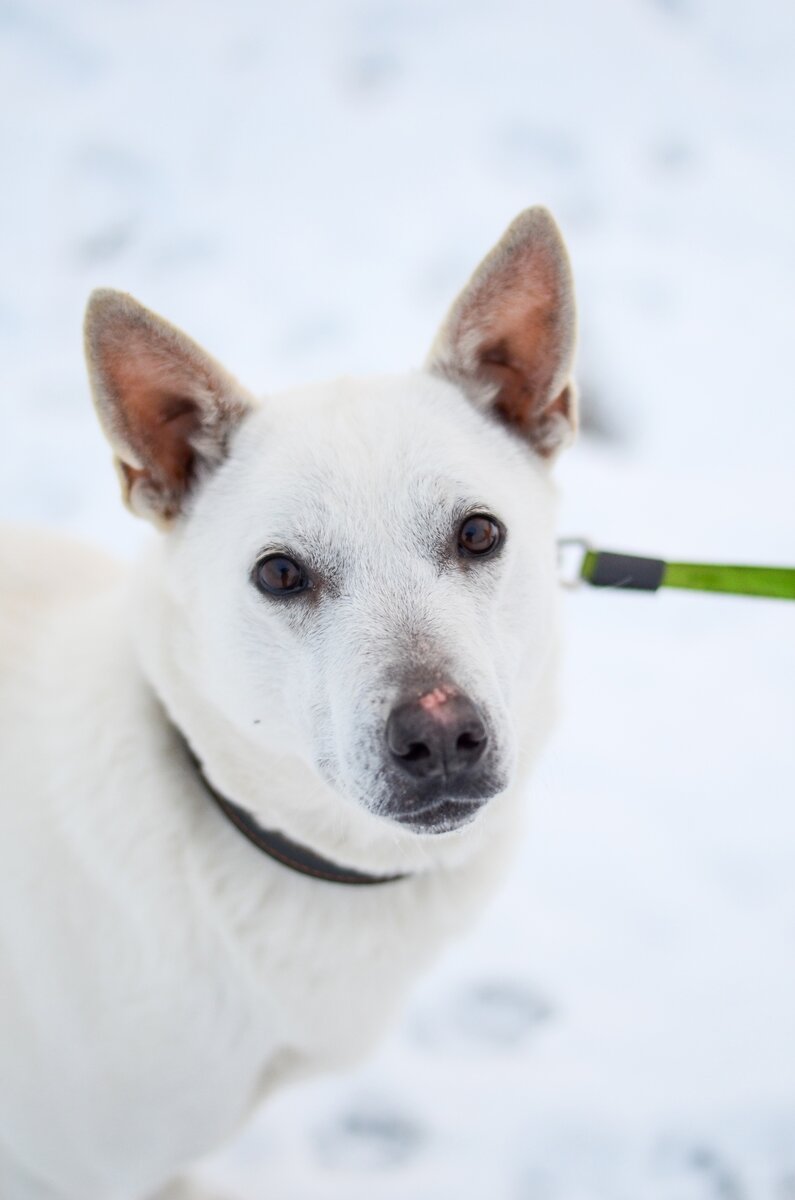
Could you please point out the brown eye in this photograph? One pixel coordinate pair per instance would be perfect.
(479, 535)
(279, 575)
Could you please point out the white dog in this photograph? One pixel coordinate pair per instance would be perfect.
(339, 654)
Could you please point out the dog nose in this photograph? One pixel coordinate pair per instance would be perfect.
(439, 734)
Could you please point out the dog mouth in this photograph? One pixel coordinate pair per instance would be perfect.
(440, 816)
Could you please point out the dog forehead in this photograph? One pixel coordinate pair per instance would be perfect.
(376, 448)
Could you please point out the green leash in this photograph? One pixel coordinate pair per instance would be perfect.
(580, 563)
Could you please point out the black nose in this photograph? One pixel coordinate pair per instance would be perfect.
(439, 734)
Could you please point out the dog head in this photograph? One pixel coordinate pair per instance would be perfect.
(361, 575)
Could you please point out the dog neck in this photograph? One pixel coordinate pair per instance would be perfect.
(281, 848)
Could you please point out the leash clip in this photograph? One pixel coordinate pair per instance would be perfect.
(571, 556)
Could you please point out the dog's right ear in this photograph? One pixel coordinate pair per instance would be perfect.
(167, 408)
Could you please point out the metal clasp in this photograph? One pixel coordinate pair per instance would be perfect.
(571, 556)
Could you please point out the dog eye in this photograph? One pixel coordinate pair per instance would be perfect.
(479, 535)
(278, 575)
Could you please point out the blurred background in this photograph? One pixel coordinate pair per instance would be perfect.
(304, 187)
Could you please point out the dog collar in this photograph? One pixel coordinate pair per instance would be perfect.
(281, 848)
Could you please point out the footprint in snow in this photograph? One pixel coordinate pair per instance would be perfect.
(492, 1014)
(699, 1172)
(368, 1137)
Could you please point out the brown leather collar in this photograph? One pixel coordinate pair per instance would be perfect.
(285, 851)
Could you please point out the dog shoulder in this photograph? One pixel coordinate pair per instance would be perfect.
(41, 574)
(39, 568)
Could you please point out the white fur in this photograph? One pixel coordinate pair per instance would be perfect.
(158, 974)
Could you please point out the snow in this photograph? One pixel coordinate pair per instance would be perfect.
(304, 187)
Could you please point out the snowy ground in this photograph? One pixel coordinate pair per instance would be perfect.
(303, 187)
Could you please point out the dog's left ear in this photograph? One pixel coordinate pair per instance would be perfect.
(509, 338)
(167, 408)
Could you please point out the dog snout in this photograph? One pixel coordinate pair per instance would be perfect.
(438, 735)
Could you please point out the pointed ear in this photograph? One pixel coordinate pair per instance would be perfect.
(167, 408)
(509, 338)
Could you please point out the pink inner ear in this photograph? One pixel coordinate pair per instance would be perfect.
(152, 388)
(513, 329)
(524, 358)
(165, 404)
(522, 371)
